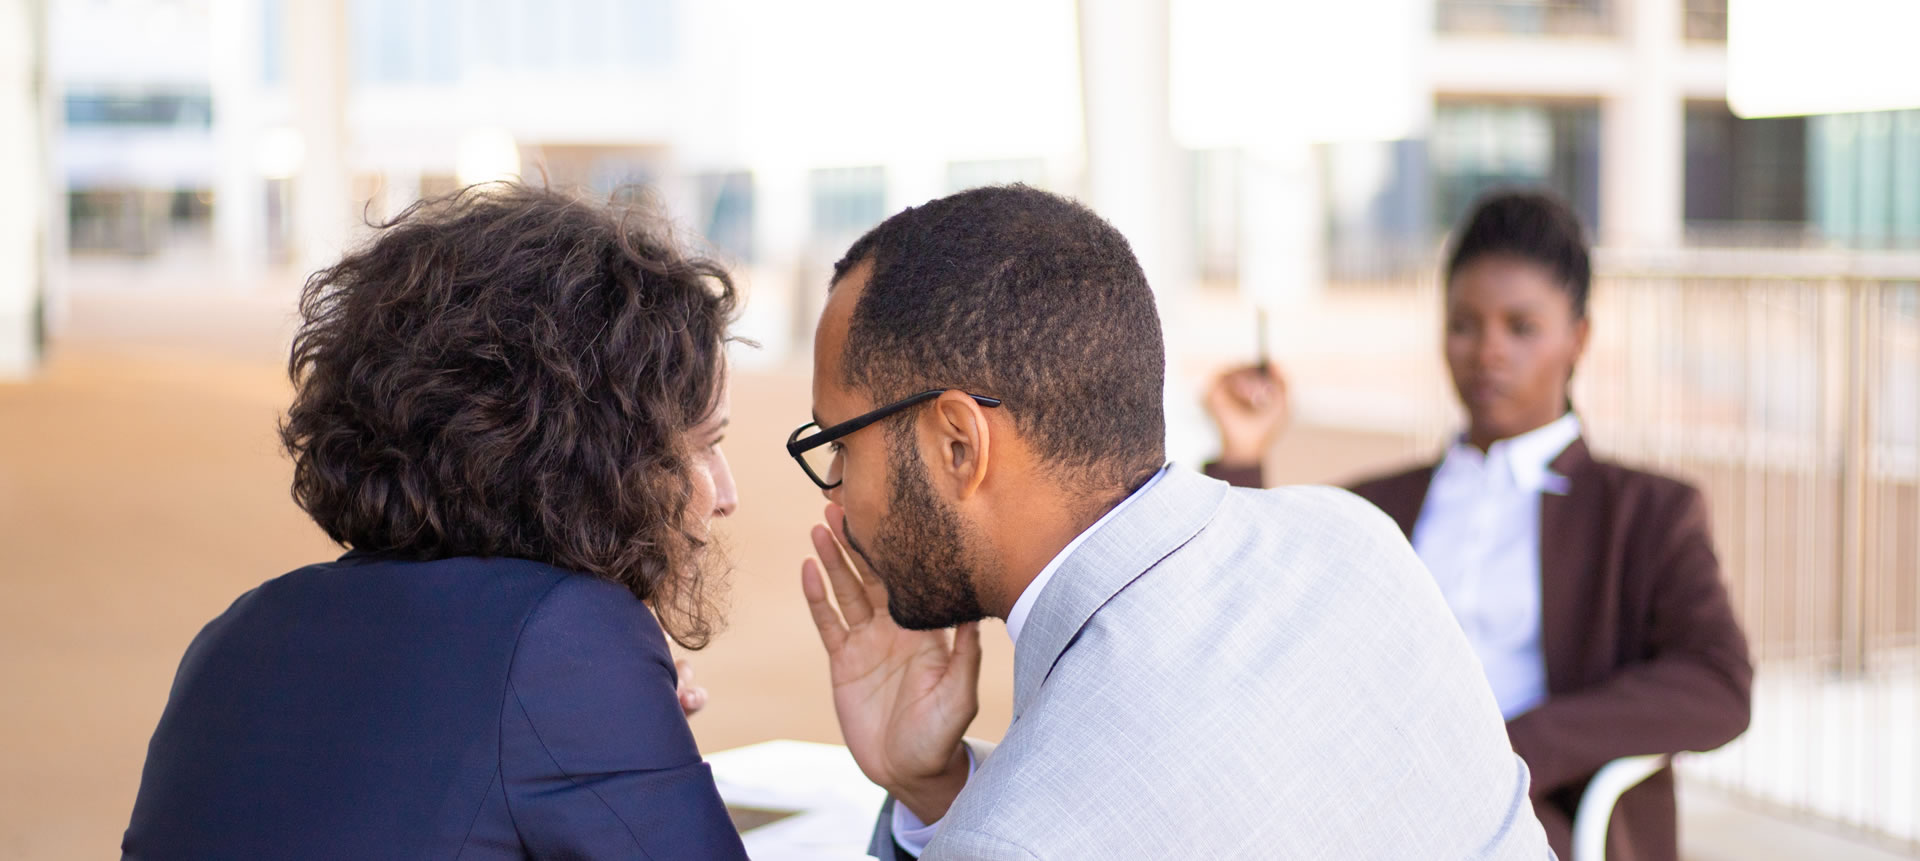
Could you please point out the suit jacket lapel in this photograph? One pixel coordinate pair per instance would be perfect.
(1401, 496)
(1569, 515)
(1166, 517)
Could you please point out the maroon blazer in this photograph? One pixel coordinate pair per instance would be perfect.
(1642, 650)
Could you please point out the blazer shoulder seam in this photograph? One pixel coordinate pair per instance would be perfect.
(511, 694)
(499, 781)
(535, 730)
(1148, 569)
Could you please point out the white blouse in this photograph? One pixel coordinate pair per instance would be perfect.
(1479, 533)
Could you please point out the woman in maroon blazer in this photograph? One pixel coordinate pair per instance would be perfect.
(1589, 590)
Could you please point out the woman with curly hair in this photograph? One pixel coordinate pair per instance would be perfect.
(508, 406)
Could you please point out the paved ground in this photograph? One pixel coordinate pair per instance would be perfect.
(1719, 827)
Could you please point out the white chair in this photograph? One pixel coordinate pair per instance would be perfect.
(1603, 792)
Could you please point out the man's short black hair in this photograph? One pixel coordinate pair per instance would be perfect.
(1531, 225)
(1026, 296)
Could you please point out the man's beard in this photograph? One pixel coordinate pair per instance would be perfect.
(923, 565)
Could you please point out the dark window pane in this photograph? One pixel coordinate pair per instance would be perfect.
(194, 110)
(1864, 181)
(847, 200)
(1739, 171)
(1479, 146)
(726, 204)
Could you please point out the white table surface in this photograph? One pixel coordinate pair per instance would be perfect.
(834, 805)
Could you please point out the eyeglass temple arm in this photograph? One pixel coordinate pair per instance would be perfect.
(798, 447)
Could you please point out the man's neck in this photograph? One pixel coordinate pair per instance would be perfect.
(1037, 533)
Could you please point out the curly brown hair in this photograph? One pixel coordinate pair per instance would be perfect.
(512, 371)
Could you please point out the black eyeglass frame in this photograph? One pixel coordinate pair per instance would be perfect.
(798, 447)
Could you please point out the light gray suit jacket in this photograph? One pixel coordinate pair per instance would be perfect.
(1230, 673)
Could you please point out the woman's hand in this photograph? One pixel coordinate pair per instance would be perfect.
(1249, 406)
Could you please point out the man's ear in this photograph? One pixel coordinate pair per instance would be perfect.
(960, 445)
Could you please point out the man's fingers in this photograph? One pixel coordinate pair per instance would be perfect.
(876, 591)
(683, 670)
(847, 588)
(966, 655)
(833, 633)
(836, 518)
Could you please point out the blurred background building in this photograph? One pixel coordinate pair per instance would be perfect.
(24, 246)
(1621, 107)
(253, 138)
(177, 166)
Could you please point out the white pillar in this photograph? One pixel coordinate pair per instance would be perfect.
(1133, 165)
(1281, 237)
(790, 287)
(239, 192)
(780, 214)
(317, 61)
(21, 172)
(1133, 174)
(1643, 148)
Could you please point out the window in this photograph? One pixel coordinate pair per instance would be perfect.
(643, 34)
(1478, 146)
(159, 110)
(1750, 173)
(386, 39)
(439, 41)
(726, 212)
(1865, 177)
(1377, 214)
(625, 174)
(273, 42)
(847, 200)
(1525, 17)
(137, 221)
(440, 50)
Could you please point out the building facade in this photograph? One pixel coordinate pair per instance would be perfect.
(265, 131)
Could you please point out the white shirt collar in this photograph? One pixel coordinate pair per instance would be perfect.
(1017, 617)
(1526, 457)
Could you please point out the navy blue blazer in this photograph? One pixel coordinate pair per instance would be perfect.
(469, 708)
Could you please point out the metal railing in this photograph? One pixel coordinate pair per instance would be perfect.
(1793, 401)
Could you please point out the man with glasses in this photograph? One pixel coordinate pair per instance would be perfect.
(1199, 671)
